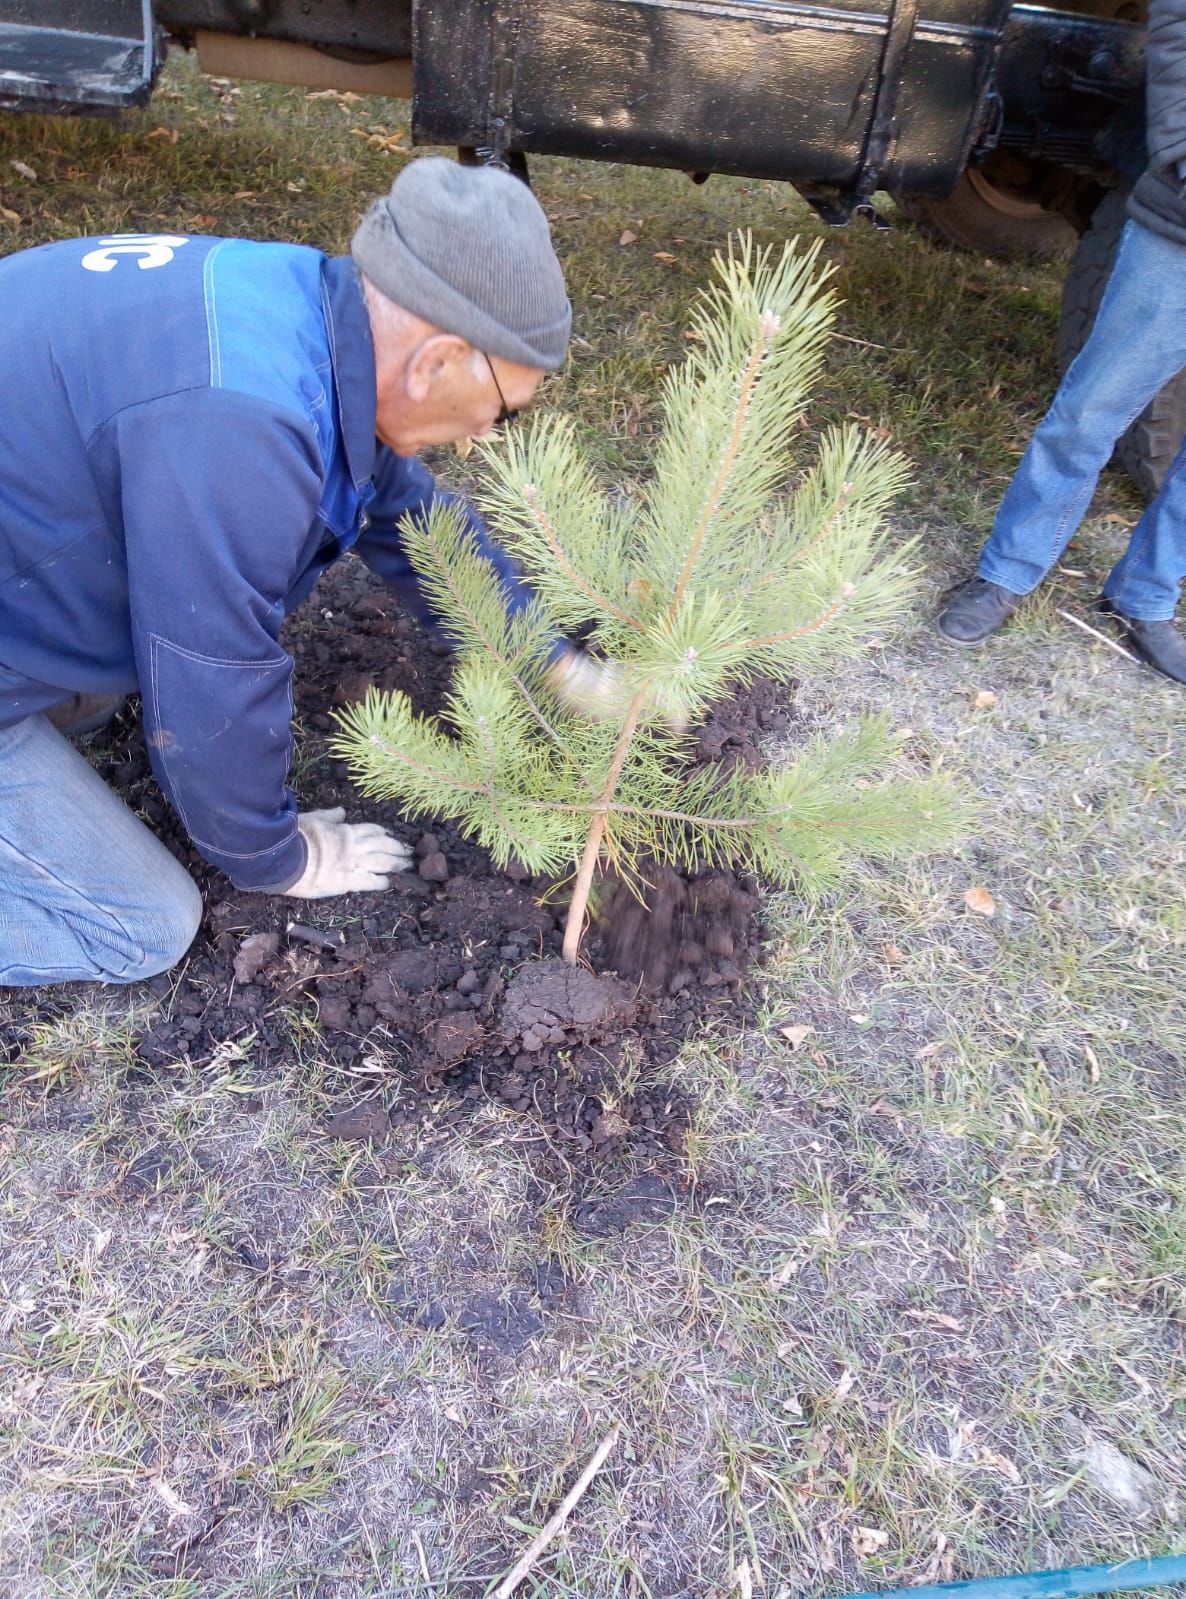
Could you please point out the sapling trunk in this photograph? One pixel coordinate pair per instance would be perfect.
(574, 926)
(705, 576)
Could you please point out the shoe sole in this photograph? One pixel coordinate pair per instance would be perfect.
(964, 643)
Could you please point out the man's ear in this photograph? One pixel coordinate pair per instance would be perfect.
(431, 362)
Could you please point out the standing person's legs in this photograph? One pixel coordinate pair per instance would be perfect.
(1146, 582)
(86, 892)
(1137, 344)
(1142, 591)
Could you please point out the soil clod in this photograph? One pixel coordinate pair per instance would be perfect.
(366, 1122)
(672, 934)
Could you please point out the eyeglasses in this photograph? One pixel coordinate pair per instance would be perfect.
(506, 414)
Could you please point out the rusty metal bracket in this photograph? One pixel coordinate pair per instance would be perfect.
(901, 23)
(500, 117)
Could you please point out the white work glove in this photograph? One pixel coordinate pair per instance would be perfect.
(590, 686)
(345, 857)
(597, 689)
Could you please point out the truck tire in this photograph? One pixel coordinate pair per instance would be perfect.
(989, 218)
(1147, 449)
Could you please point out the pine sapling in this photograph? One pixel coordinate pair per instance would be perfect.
(703, 578)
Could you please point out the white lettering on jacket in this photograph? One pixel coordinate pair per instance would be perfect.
(152, 250)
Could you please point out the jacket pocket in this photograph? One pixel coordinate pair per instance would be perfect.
(218, 735)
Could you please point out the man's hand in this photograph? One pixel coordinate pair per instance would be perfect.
(345, 857)
(596, 688)
(590, 686)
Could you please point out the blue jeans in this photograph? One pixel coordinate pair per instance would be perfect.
(1137, 344)
(86, 892)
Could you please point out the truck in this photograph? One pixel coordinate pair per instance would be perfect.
(998, 127)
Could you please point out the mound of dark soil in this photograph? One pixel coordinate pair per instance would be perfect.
(455, 973)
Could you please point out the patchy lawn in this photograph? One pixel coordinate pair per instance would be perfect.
(914, 1306)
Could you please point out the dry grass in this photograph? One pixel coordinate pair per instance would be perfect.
(919, 1260)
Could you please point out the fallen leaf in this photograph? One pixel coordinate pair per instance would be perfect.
(941, 1566)
(868, 1540)
(204, 221)
(937, 1318)
(665, 255)
(9, 216)
(845, 1386)
(1092, 1062)
(25, 170)
(796, 1033)
(628, 237)
(244, 194)
(464, 448)
(891, 955)
(980, 902)
(882, 1107)
(164, 133)
(985, 699)
(254, 953)
(1001, 1463)
(177, 1505)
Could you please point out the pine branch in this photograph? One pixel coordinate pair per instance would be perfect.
(465, 587)
(554, 519)
(600, 603)
(816, 623)
(767, 329)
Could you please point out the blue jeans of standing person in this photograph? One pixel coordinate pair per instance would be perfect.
(86, 892)
(1137, 344)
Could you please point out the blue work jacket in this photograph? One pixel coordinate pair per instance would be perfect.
(187, 441)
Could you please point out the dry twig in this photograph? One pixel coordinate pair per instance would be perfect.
(1067, 616)
(555, 1522)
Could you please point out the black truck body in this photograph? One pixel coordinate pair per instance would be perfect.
(840, 99)
(1002, 128)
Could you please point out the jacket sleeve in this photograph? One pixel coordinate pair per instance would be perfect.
(404, 487)
(219, 497)
(1165, 92)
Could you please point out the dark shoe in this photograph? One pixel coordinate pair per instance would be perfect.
(975, 611)
(1159, 644)
(84, 713)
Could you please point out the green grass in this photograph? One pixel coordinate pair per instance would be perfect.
(919, 1261)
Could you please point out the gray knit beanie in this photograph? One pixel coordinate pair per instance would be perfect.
(468, 249)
